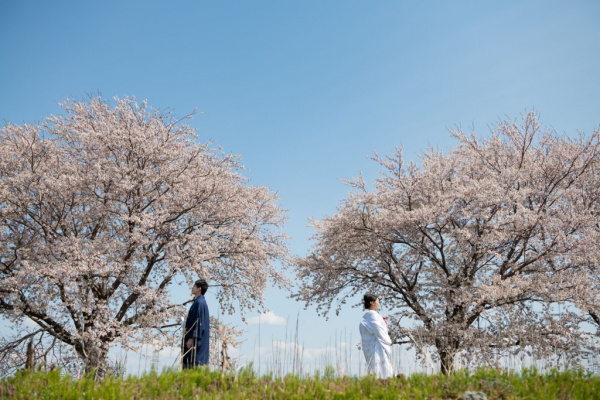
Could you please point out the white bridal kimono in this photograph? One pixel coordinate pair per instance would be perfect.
(376, 344)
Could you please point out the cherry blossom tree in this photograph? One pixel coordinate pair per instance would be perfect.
(105, 207)
(473, 249)
(223, 339)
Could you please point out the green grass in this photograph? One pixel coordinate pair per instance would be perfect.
(205, 384)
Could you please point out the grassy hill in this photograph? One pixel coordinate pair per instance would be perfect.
(205, 384)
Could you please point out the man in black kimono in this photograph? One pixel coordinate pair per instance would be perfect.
(197, 329)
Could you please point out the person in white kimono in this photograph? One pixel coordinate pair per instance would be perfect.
(376, 342)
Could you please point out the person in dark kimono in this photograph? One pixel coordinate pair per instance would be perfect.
(197, 329)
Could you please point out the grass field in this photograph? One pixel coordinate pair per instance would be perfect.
(245, 384)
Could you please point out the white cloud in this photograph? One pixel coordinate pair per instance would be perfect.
(170, 352)
(310, 354)
(268, 318)
(278, 344)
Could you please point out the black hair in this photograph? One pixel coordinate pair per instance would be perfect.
(369, 299)
(201, 283)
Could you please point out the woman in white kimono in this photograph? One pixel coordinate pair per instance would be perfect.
(376, 342)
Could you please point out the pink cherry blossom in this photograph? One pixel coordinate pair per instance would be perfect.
(103, 207)
(477, 246)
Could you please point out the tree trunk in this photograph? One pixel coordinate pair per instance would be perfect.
(446, 361)
(224, 359)
(447, 348)
(29, 362)
(95, 359)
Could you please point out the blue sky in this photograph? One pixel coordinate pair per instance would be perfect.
(305, 90)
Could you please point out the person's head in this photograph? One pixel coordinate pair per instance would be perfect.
(200, 287)
(371, 302)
